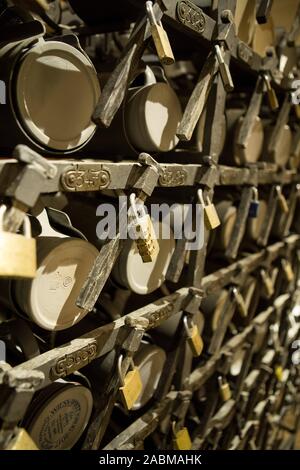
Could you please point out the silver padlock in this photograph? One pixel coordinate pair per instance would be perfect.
(18, 252)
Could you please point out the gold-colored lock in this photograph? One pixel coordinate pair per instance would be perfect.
(160, 37)
(18, 252)
(273, 101)
(144, 233)
(224, 389)
(182, 439)
(279, 373)
(21, 441)
(131, 384)
(267, 282)
(211, 217)
(287, 269)
(194, 338)
(240, 303)
(282, 200)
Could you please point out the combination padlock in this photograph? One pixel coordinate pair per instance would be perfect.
(287, 269)
(272, 98)
(18, 252)
(193, 336)
(182, 439)
(211, 218)
(240, 303)
(143, 232)
(254, 204)
(224, 389)
(131, 385)
(267, 282)
(282, 200)
(160, 37)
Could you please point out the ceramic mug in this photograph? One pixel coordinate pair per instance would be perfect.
(232, 153)
(49, 299)
(52, 91)
(146, 122)
(143, 278)
(58, 415)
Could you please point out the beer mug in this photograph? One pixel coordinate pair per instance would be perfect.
(146, 122)
(220, 238)
(232, 153)
(52, 91)
(144, 278)
(58, 415)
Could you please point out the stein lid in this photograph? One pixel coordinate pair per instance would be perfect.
(63, 267)
(57, 90)
(59, 416)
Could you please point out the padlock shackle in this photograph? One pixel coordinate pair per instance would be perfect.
(255, 193)
(186, 325)
(119, 367)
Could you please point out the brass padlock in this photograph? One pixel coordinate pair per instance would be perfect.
(211, 217)
(18, 252)
(193, 336)
(21, 441)
(224, 389)
(131, 384)
(282, 200)
(143, 232)
(279, 373)
(267, 282)
(273, 101)
(160, 37)
(240, 303)
(182, 439)
(287, 269)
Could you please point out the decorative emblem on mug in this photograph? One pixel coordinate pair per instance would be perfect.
(191, 15)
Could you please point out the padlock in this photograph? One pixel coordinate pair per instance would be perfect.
(160, 37)
(268, 283)
(131, 384)
(273, 101)
(282, 200)
(194, 338)
(224, 389)
(182, 439)
(211, 217)
(254, 204)
(240, 303)
(287, 269)
(21, 441)
(278, 372)
(224, 70)
(144, 232)
(18, 252)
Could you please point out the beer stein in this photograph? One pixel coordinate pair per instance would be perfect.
(52, 91)
(58, 415)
